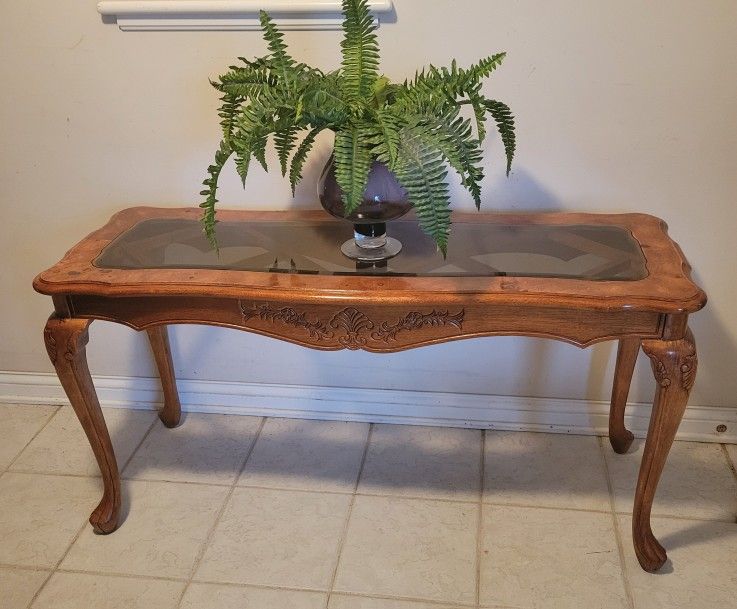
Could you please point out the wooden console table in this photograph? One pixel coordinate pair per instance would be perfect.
(581, 278)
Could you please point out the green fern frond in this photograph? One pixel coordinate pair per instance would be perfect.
(298, 160)
(453, 137)
(421, 171)
(504, 119)
(322, 102)
(242, 154)
(248, 82)
(384, 139)
(227, 112)
(283, 62)
(360, 51)
(284, 141)
(210, 192)
(458, 81)
(352, 164)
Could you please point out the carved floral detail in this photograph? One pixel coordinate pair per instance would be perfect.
(349, 327)
(688, 371)
(415, 321)
(354, 323)
(682, 363)
(661, 373)
(74, 341)
(316, 329)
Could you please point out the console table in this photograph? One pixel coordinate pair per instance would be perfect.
(581, 278)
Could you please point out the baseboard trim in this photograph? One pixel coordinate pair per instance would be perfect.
(373, 405)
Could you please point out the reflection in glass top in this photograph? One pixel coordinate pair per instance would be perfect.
(475, 249)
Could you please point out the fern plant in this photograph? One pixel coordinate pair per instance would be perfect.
(416, 128)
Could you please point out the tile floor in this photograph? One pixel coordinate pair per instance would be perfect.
(229, 512)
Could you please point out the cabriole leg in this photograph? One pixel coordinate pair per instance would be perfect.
(674, 365)
(65, 342)
(172, 411)
(619, 436)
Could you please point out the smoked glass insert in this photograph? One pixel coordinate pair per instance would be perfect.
(577, 251)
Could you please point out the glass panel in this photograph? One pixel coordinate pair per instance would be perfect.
(476, 249)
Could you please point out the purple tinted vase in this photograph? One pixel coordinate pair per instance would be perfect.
(383, 199)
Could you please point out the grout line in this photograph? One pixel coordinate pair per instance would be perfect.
(728, 457)
(479, 523)
(344, 531)
(617, 533)
(40, 588)
(424, 601)
(33, 437)
(687, 518)
(203, 548)
(138, 446)
(58, 563)
(179, 580)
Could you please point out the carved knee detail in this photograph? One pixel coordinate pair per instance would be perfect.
(65, 338)
(674, 362)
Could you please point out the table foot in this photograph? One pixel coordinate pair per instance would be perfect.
(619, 436)
(171, 413)
(674, 365)
(65, 342)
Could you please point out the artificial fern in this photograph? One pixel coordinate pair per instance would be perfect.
(416, 128)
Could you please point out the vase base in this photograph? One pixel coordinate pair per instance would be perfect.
(390, 249)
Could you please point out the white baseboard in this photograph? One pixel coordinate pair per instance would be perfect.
(373, 405)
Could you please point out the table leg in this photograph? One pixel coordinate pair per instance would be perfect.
(171, 413)
(619, 436)
(65, 342)
(674, 366)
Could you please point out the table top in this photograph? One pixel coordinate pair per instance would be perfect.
(590, 260)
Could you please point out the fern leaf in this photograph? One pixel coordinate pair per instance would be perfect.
(210, 192)
(298, 160)
(227, 112)
(360, 51)
(422, 173)
(283, 63)
(385, 138)
(352, 164)
(242, 155)
(284, 139)
(452, 136)
(504, 119)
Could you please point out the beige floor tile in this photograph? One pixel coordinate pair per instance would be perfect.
(62, 447)
(340, 601)
(410, 548)
(548, 470)
(40, 515)
(431, 462)
(17, 426)
(701, 570)
(84, 591)
(550, 559)
(277, 538)
(215, 596)
(696, 482)
(308, 455)
(165, 527)
(207, 448)
(17, 586)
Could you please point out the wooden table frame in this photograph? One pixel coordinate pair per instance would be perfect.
(387, 314)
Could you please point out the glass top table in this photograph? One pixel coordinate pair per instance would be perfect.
(578, 277)
(576, 251)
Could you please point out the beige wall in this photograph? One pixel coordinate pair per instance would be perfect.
(621, 106)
